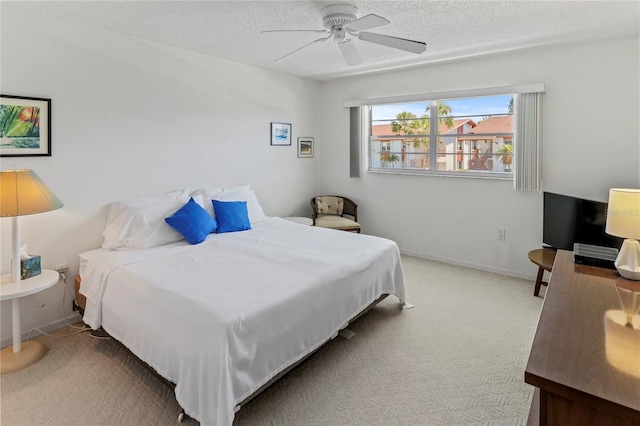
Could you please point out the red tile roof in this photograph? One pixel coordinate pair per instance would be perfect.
(500, 124)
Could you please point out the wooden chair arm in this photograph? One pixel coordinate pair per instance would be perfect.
(350, 208)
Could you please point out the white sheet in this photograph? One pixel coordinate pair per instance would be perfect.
(221, 318)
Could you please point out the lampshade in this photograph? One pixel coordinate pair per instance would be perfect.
(22, 192)
(623, 213)
(623, 220)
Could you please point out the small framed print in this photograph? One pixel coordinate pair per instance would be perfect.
(25, 126)
(280, 134)
(305, 147)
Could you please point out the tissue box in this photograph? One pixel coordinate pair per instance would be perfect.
(30, 267)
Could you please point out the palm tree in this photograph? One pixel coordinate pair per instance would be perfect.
(389, 158)
(444, 113)
(423, 125)
(505, 154)
(404, 125)
(407, 123)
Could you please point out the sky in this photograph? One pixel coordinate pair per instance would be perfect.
(474, 108)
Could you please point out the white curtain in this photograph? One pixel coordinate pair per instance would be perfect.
(359, 132)
(527, 142)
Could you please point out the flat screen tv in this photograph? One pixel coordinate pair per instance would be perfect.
(568, 220)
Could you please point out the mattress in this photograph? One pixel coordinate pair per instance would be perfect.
(221, 318)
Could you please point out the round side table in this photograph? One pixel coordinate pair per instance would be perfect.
(300, 220)
(544, 258)
(22, 355)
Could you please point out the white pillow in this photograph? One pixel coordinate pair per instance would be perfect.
(241, 188)
(256, 214)
(139, 223)
(211, 193)
(235, 193)
(207, 194)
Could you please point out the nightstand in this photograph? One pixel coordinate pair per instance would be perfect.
(300, 220)
(544, 258)
(23, 354)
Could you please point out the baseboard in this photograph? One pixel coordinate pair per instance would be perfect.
(470, 265)
(47, 328)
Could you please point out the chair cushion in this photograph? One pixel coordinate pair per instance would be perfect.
(337, 222)
(329, 205)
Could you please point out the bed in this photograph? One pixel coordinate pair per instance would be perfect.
(222, 318)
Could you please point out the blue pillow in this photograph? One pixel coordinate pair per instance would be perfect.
(231, 216)
(193, 222)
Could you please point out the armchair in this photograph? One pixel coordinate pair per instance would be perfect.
(335, 212)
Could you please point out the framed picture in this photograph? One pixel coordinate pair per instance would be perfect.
(305, 147)
(280, 134)
(25, 126)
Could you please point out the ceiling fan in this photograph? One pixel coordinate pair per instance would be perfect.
(341, 21)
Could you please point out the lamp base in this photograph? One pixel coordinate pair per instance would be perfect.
(628, 261)
(32, 352)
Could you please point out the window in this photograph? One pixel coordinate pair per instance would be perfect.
(487, 132)
(470, 136)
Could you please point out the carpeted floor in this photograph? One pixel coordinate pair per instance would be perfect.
(457, 358)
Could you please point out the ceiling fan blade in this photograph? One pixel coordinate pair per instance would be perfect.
(294, 31)
(395, 42)
(350, 53)
(366, 22)
(300, 48)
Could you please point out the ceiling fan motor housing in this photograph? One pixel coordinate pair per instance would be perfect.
(338, 15)
(341, 21)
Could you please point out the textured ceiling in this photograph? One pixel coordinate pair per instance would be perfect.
(451, 29)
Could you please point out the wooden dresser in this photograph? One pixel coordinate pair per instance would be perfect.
(575, 383)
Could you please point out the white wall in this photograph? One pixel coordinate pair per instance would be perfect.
(590, 143)
(133, 118)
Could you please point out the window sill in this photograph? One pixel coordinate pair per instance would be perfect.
(463, 175)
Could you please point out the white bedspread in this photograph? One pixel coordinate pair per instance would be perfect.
(222, 318)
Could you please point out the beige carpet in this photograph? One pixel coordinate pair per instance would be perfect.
(457, 358)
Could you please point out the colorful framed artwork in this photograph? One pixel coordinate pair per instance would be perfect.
(280, 134)
(25, 126)
(305, 147)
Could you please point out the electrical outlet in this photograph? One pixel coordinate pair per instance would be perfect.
(61, 268)
(502, 234)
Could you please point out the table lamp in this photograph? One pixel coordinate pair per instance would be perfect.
(623, 220)
(22, 193)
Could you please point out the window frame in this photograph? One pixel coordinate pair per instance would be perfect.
(526, 179)
(432, 152)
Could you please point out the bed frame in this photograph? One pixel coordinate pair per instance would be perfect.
(79, 304)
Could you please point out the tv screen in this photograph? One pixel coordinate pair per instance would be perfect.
(568, 220)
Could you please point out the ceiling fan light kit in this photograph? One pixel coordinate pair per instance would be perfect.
(338, 15)
(341, 21)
